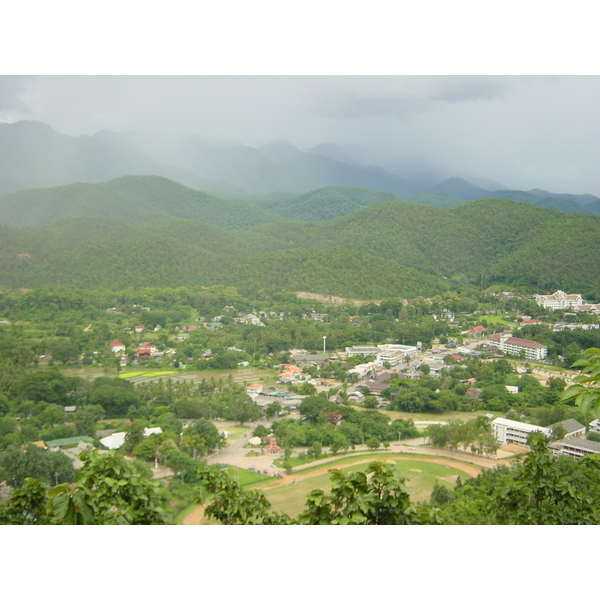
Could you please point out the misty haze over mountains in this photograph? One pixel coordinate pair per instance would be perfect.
(33, 155)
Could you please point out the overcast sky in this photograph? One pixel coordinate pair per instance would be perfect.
(524, 132)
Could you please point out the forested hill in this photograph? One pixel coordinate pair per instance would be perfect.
(326, 203)
(132, 199)
(385, 250)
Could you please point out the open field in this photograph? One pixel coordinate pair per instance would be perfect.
(447, 416)
(421, 475)
(234, 431)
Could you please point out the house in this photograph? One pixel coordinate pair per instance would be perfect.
(531, 322)
(512, 345)
(139, 328)
(515, 432)
(254, 388)
(474, 392)
(478, 330)
(117, 346)
(512, 389)
(149, 346)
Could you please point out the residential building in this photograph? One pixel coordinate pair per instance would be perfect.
(515, 432)
(512, 345)
(254, 388)
(117, 346)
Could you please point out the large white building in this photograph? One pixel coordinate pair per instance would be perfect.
(515, 432)
(559, 300)
(511, 345)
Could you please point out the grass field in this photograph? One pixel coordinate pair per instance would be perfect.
(447, 416)
(235, 431)
(129, 374)
(420, 475)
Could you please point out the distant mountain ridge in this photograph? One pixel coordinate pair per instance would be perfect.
(34, 156)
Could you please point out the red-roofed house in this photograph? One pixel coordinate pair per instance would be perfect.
(148, 346)
(138, 328)
(254, 388)
(531, 322)
(117, 346)
(478, 330)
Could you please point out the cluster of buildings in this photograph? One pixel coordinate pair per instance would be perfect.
(394, 354)
(563, 301)
(146, 350)
(572, 444)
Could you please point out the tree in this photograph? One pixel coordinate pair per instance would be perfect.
(242, 408)
(86, 417)
(539, 494)
(114, 395)
(108, 491)
(315, 409)
(372, 443)
(134, 435)
(26, 506)
(272, 410)
(370, 402)
(17, 464)
(586, 391)
(315, 450)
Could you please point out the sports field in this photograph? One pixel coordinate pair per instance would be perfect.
(420, 473)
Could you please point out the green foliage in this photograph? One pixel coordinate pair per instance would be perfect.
(108, 491)
(26, 506)
(539, 495)
(586, 393)
(115, 396)
(18, 464)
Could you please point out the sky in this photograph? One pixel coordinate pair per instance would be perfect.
(520, 131)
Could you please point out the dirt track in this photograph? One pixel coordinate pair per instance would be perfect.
(196, 516)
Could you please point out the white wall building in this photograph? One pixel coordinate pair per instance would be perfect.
(559, 300)
(515, 432)
(512, 345)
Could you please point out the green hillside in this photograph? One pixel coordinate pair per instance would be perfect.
(388, 249)
(326, 203)
(132, 199)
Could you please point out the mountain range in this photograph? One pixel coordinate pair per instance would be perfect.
(33, 155)
(122, 210)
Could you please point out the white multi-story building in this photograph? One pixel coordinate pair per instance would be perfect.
(511, 345)
(515, 432)
(559, 300)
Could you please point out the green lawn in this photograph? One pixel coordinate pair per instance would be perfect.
(235, 431)
(420, 475)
